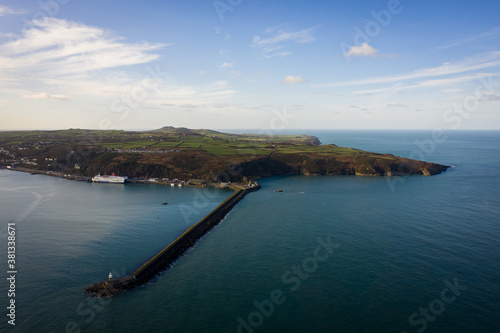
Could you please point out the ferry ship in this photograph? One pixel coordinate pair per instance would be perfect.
(110, 179)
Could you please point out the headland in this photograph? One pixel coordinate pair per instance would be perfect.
(197, 157)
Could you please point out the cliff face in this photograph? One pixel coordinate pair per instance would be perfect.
(364, 165)
(185, 165)
(189, 165)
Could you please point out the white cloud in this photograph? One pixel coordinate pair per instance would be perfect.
(227, 65)
(452, 81)
(432, 84)
(203, 72)
(290, 79)
(236, 73)
(47, 96)
(7, 10)
(61, 47)
(479, 62)
(77, 60)
(171, 95)
(481, 36)
(280, 38)
(364, 50)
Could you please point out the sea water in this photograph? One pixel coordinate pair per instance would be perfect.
(328, 254)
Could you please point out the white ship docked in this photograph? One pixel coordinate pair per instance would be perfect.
(110, 179)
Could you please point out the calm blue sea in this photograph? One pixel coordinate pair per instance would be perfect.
(329, 254)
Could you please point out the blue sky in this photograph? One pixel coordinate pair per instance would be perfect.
(250, 64)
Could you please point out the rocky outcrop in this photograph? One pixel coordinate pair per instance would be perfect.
(362, 165)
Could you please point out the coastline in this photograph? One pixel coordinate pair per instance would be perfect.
(79, 178)
(49, 173)
(434, 169)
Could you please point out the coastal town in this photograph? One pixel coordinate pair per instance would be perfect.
(131, 180)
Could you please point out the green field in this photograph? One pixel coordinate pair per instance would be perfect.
(212, 142)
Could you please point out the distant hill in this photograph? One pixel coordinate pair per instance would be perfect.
(298, 139)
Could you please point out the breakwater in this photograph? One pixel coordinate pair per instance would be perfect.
(169, 254)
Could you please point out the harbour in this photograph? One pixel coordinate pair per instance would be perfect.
(172, 252)
(396, 249)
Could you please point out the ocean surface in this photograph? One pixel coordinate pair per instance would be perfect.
(329, 254)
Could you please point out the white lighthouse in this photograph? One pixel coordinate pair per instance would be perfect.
(110, 276)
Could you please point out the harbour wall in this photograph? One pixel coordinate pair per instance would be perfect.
(172, 252)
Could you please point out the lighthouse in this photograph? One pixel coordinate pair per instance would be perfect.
(110, 276)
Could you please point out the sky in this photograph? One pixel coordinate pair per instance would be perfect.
(250, 64)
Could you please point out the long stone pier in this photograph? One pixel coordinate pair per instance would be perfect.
(169, 254)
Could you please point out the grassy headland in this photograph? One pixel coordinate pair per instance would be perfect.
(181, 153)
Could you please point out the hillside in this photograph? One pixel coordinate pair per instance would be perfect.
(181, 153)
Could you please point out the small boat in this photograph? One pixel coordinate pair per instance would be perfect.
(279, 191)
(164, 203)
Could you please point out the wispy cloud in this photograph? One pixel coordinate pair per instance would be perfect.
(290, 79)
(223, 105)
(47, 96)
(227, 65)
(171, 95)
(396, 105)
(277, 39)
(448, 82)
(492, 97)
(479, 62)
(4, 10)
(432, 83)
(481, 36)
(77, 60)
(64, 47)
